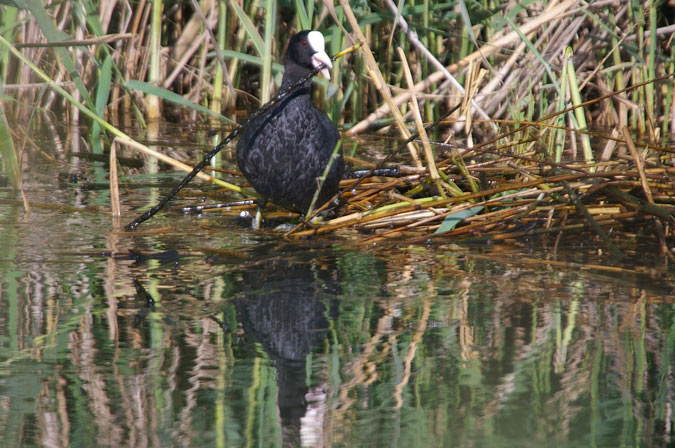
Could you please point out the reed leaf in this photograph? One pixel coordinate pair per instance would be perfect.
(9, 17)
(579, 111)
(250, 28)
(451, 221)
(168, 95)
(302, 15)
(464, 12)
(397, 17)
(89, 11)
(102, 95)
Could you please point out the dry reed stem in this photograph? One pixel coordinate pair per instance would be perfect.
(77, 43)
(645, 207)
(638, 164)
(360, 218)
(473, 80)
(379, 188)
(428, 154)
(513, 235)
(483, 52)
(182, 62)
(116, 209)
(207, 26)
(415, 214)
(380, 84)
(488, 218)
(569, 109)
(412, 37)
(170, 160)
(592, 222)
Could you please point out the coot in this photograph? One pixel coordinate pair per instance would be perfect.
(283, 152)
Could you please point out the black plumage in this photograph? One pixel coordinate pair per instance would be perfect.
(283, 152)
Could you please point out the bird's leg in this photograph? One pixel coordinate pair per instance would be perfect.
(257, 219)
(256, 222)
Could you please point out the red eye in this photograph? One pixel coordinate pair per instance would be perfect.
(303, 43)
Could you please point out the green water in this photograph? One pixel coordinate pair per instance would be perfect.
(206, 333)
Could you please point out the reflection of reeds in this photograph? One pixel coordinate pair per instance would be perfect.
(463, 340)
(410, 355)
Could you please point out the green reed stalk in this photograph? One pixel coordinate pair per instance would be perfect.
(7, 149)
(428, 39)
(322, 179)
(154, 74)
(651, 67)
(463, 50)
(360, 96)
(217, 103)
(9, 16)
(339, 99)
(579, 111)
(559, 144)
(310, 12)
(245, 28)
(668, 104)
(639, 73)
(270, 26)
(618, 74)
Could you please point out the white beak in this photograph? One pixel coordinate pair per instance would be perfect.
(320, 57)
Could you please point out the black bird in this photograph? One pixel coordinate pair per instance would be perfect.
(283, 152)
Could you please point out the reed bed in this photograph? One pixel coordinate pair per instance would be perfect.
(564, 109)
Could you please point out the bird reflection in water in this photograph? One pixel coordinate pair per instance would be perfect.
(284, 309)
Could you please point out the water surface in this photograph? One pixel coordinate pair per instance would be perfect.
(198, 331)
